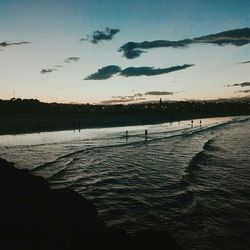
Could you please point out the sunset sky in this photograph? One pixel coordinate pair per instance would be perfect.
(52, 50)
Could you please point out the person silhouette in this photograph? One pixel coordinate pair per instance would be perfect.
(146, 134)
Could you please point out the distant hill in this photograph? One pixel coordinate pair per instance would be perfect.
(31, 115)
(35, 108)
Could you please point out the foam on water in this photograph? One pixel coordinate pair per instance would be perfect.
(194, 181)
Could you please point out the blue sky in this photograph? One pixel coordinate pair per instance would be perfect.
(54, 29)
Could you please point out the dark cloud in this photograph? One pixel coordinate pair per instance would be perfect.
(132, 50)
(237, 37)
(104, 73)
(141, 99)
(149, 71)
(133, 53)
(245, 62)
(138, 94)
(6, 44)
(136, 97)
(243, 84)
(159, 93)
(109, 71)
(98, 36)
(45, 71)
(72, 59)
(244, 91)
(58, 66)
(115, 101)
(123, 99)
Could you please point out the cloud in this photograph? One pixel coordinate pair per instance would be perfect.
(243, 91)
(72, 59)
(137, 97)
(109, 71)
(6, 44)
(236, 37)
(244, 62)
(104, 73)
(150, 71)
(98, 36)
(132, 50)
(159, 93)
(58, 66)
(243, 84)
(112, 101)
(45, 71)
(123, 99)
(138, 94)
(132, 53)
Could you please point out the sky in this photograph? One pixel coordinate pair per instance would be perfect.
(92, 51)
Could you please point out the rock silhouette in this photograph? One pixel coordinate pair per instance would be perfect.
(33, 216)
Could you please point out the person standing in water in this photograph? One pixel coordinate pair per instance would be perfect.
(192, 123)
(146, 134)
(200, 123)
(126, 134)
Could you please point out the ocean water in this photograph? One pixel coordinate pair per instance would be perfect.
(192, 181)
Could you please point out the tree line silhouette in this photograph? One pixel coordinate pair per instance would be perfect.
(17, 107)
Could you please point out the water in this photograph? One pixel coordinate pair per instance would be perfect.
(193, 181)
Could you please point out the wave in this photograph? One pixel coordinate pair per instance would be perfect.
(209, 146)
(202, 157)
(196, 160)
(49, 169)
(189, 184)
(59, 172)
(196, 163)
(61, 162)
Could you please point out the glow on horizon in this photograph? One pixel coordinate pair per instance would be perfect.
(55, 29)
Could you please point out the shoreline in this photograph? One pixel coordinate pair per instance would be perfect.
(27, 125)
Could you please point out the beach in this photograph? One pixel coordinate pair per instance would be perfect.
(192, 181)
(124, 125)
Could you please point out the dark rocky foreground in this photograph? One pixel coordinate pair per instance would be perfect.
(33, 216)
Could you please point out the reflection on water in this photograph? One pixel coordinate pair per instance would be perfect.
(31, 150)
(98, 133)
(192, 180)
